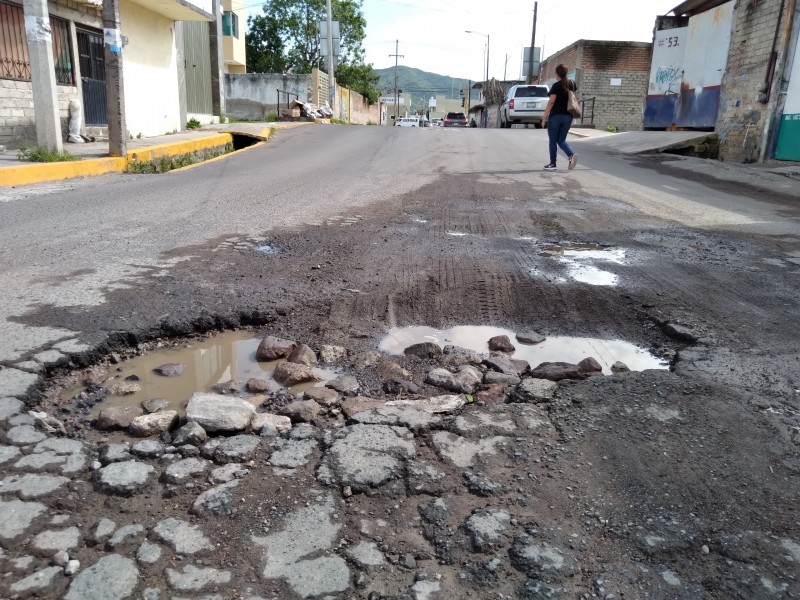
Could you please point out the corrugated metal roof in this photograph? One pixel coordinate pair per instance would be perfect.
(694, 7)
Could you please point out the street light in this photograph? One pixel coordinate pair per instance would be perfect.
(486, 35)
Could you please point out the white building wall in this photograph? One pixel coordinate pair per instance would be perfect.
(152, 102)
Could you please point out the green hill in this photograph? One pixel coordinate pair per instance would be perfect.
(421, 84)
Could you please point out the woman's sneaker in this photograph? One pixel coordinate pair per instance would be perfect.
(573, 161)
(550, 167)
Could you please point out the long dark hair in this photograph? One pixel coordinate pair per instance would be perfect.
(561, 71)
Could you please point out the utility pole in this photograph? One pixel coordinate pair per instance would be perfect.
(43, 74)
(396, 94)
(505, 68)
(331, 77)
(533, 44)
(115, 90)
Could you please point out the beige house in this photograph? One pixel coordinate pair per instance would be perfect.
(233, 30)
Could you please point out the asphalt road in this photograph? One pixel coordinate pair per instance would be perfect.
(68, 245)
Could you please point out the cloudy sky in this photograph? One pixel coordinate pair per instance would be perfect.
(432, 36)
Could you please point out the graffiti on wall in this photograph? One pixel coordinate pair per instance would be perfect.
(668, 79)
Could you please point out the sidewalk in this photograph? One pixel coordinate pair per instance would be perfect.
(95, 159)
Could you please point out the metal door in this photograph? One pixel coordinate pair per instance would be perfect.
(789, 136)
(93, 76)
(197, 66)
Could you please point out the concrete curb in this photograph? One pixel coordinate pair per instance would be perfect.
(26, 174)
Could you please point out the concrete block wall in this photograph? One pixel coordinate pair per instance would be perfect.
(253, 96)
(17, 117)
(362, 112)
(741, 117)
(619, 106)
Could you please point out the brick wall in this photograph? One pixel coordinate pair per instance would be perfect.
(17, 118)
(595, 64)
(741, 117)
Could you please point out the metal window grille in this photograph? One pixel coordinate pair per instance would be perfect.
(14, 59)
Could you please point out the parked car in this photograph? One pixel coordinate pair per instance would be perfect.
(436, 122)
(408, 122)
(456, 119)
(524, 104)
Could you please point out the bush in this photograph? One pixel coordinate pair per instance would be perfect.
(271, 117)
(37, 154)
(611, 128)
(193, 124)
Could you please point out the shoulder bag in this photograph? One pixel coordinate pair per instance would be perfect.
(573, 107)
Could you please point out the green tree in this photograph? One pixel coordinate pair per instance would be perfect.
(264, 46)
(360, 78)
(295, 22)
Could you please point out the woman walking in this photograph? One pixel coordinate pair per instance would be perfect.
(558, 120)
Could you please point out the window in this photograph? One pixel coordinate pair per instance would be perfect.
(14, 60)
(230, 24)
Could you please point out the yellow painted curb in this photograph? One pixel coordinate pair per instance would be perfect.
(177, 148)
(215, 159)
(39, 172)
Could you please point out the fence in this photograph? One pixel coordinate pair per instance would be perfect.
(587, 114)
(289, 96)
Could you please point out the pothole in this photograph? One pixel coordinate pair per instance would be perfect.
(552, 349)
(580, 259)
(224, 362)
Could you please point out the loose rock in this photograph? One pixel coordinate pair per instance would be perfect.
(501, 343)
(303, 355)
(169, 369)
(153, 424)
(117, 417)
(273, 348)
(215, 412)
(289, 374)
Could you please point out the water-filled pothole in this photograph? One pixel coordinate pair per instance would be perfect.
(553, 349)
(214, 361)
(579, 258)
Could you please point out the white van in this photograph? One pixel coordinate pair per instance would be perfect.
(408, 122)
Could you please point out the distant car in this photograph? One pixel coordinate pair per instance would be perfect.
(408, 122)
(524, 104)
(436, 123)
(456, 119)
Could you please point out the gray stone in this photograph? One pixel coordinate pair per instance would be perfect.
(357, 404)
(455, 356)
(344, 384)
(425, 589)
(620, 367)
(332, 355)
(256, 385)
(23, 435)
(322, 396)
(501, 343)
(530, 338)
(22, 563)
(61, 558)
(61, 446)
(194, 579)
(10, 407)
(72, 567)
(273, 348)
(184, 538)
(506, 365)
(8, 453)
(153, 424)
(117, 417)
(492, 377)
(148, 553)
(40, 461)
(445, 379)
(301, 411)
(49, 357)
(461, 451)
(402, 415)
(367, 456)
(191, 433)
(14, 382)
(423, 478)
(24, 419)
(31, 366)
(127, 535)
(32, 485)
(434, 405)
(303, 355)
(49, 542)
(113, 577)
(218, 413)
(533, 390)
(590, 365)
(96, 375)
(304, 431)
(309, 531)
(289, 374)
(147, 449)
(123, 388)
(536, 557)
(186, 469)
(111, 453)
(281, 423)
(423, 350)
(103, 530)
(151, 594)
(236, 449)
(124, 478)
(217, 501)
(154, 405)
(38, 582)
(556, 371)
(227, 473)
(487, 528)
(366, 554)
(291, 454)
(208, 449)
(365, 360)
(169, 369)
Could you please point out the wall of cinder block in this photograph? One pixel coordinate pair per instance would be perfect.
(17, 117)
(742, 113)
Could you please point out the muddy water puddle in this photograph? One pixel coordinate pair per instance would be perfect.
(580, 261)
(553, 349)
(216, 360)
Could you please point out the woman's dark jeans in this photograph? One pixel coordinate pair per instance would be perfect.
(557, 129)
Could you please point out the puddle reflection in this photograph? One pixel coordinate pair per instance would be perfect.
(553, 349)
(219, 359)
(575, 257)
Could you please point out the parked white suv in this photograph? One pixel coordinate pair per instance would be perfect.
(524, 104)
(408, 122)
